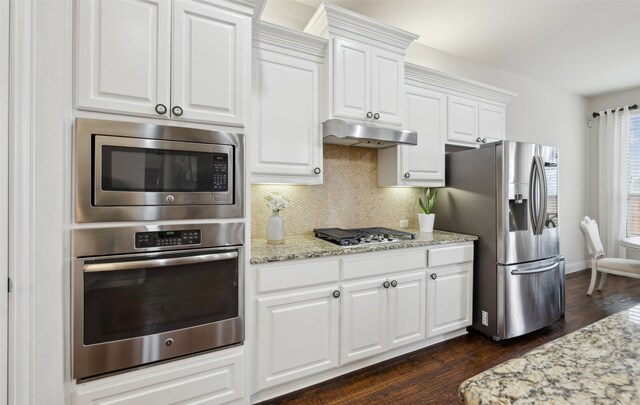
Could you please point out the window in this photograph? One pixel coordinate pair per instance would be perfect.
(633, 176)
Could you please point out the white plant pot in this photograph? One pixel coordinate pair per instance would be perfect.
(426, 222)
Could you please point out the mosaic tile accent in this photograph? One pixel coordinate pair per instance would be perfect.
(349, 198)
(598, 364)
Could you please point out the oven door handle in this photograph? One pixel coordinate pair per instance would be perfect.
(172, 261)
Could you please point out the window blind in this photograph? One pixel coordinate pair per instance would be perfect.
(633, 177)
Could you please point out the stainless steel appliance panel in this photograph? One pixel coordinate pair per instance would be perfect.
(95, 204)
(530, 296)
(506, 193)
(132, 306)
(468, 204)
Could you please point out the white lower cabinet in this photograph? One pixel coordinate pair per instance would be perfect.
(381, 314)
(449, 290)
(449, 303)
(406, 308)
(213, 378)
(364, 320)
(319, 318)
(297, 335)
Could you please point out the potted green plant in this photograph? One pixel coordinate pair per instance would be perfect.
(426, 218)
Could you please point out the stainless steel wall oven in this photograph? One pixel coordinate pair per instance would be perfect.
(142, 294)
(141, 172)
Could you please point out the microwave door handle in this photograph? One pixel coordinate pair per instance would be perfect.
(172, 261)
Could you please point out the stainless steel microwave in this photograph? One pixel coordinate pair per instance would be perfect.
(141, 172)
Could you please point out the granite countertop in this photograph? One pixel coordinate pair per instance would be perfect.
(307, 247)
(598, 364)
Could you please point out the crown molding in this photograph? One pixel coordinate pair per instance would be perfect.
(333, 20)
(420, 76)
(247, 7)
(299, 42)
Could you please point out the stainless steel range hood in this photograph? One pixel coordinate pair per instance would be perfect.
(340, 132)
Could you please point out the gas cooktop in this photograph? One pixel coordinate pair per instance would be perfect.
(362, 236)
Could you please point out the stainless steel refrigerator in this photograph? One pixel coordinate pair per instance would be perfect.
(506, 193)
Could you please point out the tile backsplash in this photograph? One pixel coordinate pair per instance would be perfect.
(349, 198)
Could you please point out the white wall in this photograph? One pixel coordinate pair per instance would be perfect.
(540, 114)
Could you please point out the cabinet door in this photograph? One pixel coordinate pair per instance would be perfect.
(364, 320)
(426, 114)
(491, 122)
(463, 120)
(210, 63)
(406, 309)
(387, 78)
(449, 298)
(297, 335)
(352, 79)
(123, 55)
(287, 146)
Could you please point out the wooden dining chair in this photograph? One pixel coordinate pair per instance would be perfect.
(601, 263)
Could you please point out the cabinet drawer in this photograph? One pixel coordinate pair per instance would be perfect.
(450, 255)
(214, 378)
(274, 277)
(381, 264)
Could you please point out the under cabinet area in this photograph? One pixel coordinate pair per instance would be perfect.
(213, 378)
(319, 318)
(165, 59)
(287, 144)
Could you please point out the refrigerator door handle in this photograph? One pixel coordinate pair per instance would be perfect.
(542, 177)
(540, 270)
(533, 196)
(537, 195)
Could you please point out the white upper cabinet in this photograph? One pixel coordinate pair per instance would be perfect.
(287, 144)
(365, 66)
(367, 82)
(210, 63)
(463, 120)
(491, 122)
(174, 60)
(124, 55)
(421, 165)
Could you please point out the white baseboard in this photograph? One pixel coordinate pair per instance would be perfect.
(576, 266)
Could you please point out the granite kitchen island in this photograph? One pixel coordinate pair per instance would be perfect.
(598, 364)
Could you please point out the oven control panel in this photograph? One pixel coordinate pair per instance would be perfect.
(168, 238)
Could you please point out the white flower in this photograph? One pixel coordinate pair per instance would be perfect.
(277, 202)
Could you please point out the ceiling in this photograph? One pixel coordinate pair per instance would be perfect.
(585, 47)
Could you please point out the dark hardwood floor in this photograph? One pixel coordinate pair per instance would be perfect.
(432, 375)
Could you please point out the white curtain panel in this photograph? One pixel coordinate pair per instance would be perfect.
(613, 140)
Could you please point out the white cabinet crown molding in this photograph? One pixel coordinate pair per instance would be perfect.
(420, 76)
(330, 19)
(247, 7)
(267, 36)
